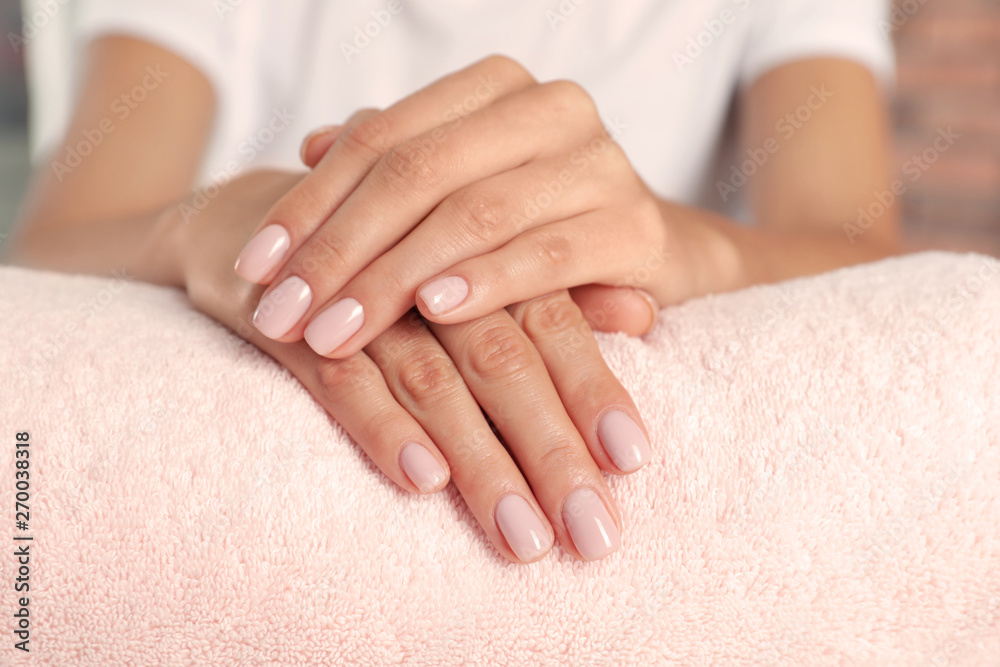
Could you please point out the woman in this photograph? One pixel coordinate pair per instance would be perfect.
(659, 131)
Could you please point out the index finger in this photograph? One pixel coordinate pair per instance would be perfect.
(303, 209)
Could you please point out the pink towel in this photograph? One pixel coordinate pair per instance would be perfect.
(825, 489)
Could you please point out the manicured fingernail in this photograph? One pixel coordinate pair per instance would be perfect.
(421, 467)
(331, 328)
(524, 531)
(262, 253)
(444, 294)
(624, 441)
(304, 146)
(282, 307)
(593, 530)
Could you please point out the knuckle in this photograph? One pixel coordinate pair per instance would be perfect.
(614, 164)
(424, 376)
(380, 423)
(407, 167)
(564, 97)
(506, 67)
(304, 201)
(553, 251)
(480, 215)
(338, 376)
(559, 458)
(475, 461)
(549, 315)
(326, 252)
(371, 135)
(498, 351)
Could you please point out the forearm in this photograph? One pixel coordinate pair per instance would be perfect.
(734, 256)
(140, 246)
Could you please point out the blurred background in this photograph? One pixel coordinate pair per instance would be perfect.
(949, 75)
(13, 110)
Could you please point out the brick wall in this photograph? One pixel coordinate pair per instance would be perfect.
(949, 76)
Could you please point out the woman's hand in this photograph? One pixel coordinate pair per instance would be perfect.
(482, 190)
(412, 399)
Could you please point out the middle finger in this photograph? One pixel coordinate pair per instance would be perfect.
(508, 378)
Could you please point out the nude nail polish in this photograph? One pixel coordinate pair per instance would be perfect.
(524, 531)
(624, 441)
(262, 253)
(590, 525)
(332, 327)
(421, 467)
(444, 294)
(282, 307)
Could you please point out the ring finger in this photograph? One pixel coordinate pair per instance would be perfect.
(428, 386)
(505, 373)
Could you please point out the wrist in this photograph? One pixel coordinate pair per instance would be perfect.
(162, 258)
(713, 257)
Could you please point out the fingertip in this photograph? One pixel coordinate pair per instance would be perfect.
(317, 143)
(527, 536)
(422, 468)
(617, 309)
(654, 310)
(442, 295)
(624, 440)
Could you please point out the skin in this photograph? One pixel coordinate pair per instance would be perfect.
(389, 206)
(608, 219)
(526, 366)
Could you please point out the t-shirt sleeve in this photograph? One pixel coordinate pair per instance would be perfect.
(787, 30)
(192, 29)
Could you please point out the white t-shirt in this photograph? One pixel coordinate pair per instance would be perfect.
(662, 72)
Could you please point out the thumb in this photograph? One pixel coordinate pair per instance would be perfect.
(627, 309)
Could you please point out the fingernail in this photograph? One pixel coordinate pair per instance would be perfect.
(624, 441)
(282, 307)
(304, 146)
(593, 530)
(524, 531)
(421, 467)
(262, 253)
(331, 328)
(444, 294)
(654, 309)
